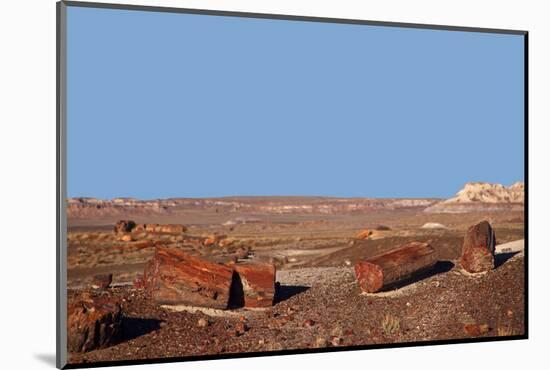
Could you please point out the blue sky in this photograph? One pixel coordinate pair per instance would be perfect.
(177, 105)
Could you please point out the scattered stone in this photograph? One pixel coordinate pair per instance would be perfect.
(475, 330)
(241, 328)
(102, 281)
(92, 323)
(336, 341)
(209, 241)
(309, 323)
(396, 265)
(202, 323)
(478, 250)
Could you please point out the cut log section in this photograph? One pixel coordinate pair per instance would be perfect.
(173, 277)
(92, 323)
(400, 264)
(478, 250)
(258, 283)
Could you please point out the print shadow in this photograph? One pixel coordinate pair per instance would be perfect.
(284, 292)
(440, 267)
(501, 258)
(236, 292)
(46, 358)
(133, 327)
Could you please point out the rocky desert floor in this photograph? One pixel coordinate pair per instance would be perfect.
(318, 303)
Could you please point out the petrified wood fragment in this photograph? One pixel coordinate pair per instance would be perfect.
(394, 266)
(176, 278)
(92, 322)
(124, 226)
(478, 250)
(258, 283)
(173, 229)
(102, 281)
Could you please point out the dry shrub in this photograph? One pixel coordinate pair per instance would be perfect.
(505, 330)
(390, 325)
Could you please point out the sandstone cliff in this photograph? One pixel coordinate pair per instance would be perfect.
(482, 196)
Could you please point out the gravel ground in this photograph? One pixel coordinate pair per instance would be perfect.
(323, 307)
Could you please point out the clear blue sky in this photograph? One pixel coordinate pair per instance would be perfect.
(176, 105)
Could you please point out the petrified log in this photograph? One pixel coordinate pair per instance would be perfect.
(173, 229)
(124, 226)
(363, 234)
(102, 281)
(176, 278)
(478, 250)
(258, 283)
(140, 228)
(93, 323)
(394, 266)
(150, 228)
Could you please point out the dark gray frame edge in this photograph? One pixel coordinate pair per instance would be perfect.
(61, 186)
(61, 349)
(288, 17)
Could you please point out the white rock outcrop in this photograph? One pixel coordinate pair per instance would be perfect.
(483, 196)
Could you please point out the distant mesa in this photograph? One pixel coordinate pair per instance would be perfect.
(474, 197)
(482, 196)
(231, 207)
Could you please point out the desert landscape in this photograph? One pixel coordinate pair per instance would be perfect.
(189, 277)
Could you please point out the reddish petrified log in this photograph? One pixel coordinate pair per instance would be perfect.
(150, 228)
(140, 228)
(394, 266)
(478, 250)
(258, 283)
(93, 323)
(173, 229)
(102, 281)
(176, 278)
(124, 226)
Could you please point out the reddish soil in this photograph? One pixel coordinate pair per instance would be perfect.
(318, 302)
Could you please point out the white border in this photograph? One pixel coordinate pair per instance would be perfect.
(27, 149)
